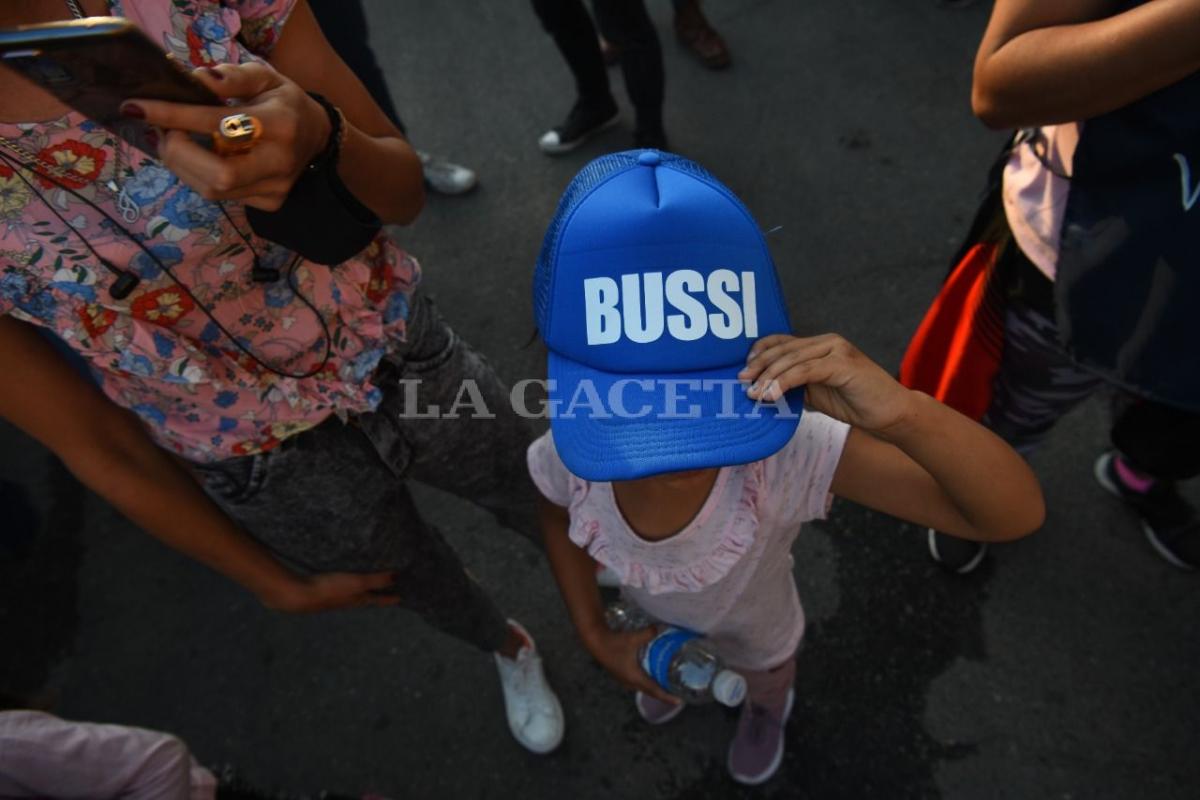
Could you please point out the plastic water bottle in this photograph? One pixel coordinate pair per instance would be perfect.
(679, 660)
(625, 616)
(682, 663)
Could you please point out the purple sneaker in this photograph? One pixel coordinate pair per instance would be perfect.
(757, 750)
(655, 711)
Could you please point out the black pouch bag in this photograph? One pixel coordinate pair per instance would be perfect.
(320, 220)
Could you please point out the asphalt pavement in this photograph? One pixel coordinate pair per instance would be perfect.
(1064, 669)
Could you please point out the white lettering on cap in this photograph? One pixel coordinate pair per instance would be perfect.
(637, 307)
(600, 298)
(643, 321)
(692, 324)
(729, 324)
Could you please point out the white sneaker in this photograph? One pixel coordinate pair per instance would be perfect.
(446, 177)
(585, 121)
(535, 716)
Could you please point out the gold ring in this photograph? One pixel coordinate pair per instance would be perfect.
(236, 133)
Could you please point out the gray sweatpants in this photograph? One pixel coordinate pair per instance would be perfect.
(334, 498)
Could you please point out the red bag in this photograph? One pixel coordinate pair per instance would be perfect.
(955, 353)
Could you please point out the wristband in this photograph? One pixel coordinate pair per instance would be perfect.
(321, 219)
(328, 157)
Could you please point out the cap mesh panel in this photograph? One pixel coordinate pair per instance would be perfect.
(588, 179)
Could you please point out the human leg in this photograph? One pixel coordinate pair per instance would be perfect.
(1159, 441)
(694, 32)
(626, 24)
(473, 446)
(757, 748)
(1038, 383)
(345, 26)
(1156, 445)
(325, 501)
(567, 21)
(479, 453)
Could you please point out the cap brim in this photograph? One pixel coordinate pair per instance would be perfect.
(684, 421)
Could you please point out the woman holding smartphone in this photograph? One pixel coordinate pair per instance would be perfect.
(227, 361)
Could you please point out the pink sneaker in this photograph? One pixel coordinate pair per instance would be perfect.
(757, 750)
(655, 711)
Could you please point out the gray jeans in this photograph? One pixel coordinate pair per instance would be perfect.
(334, 498)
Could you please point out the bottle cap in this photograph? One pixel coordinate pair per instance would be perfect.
(729, 688)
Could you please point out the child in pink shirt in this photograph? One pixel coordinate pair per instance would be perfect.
(657, 300)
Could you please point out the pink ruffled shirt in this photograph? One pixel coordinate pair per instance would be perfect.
(728, 574)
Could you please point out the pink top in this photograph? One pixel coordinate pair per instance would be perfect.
(155, 351)
(1035, 195)
(44, 756)
(728, 574)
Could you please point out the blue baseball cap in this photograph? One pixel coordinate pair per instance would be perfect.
(652, 284)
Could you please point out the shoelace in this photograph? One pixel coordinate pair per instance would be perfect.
(527, 665)
(517, 681)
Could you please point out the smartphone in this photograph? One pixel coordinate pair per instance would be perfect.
(95, 64)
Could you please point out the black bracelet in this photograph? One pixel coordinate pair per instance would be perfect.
(321, 219)
(328, 157)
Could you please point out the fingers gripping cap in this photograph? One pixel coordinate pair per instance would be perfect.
(652, 271)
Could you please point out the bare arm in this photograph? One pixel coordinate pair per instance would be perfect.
(1042, 63)
(107, 448)
(372, 146)
(375, 162)
(575, 572)
(909, 455)
(940, 470)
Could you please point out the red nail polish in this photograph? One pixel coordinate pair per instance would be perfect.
(133, 111)
(152, 140)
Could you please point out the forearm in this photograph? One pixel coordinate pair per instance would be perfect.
(376, 163)
(384, 173)
(1068, 72)
(144, 483)
(575, 572)
(991, 487)
(110, 451)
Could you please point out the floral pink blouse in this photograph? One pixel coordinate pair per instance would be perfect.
(155, 352)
